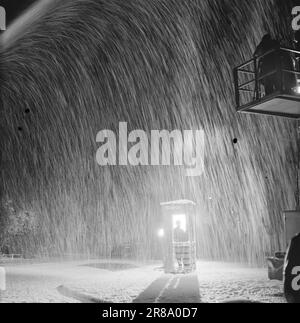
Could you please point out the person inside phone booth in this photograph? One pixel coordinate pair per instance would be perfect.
(180, 236)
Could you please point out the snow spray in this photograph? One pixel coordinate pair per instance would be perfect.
(296, 19)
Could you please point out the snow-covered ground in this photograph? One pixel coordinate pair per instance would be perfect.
(218, 282)
(221, 282)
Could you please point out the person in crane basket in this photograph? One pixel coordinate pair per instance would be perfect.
(271, 62)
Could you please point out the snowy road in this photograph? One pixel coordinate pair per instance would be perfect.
(221, 282)
(217, 282)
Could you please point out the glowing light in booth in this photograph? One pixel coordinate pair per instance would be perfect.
(180, 218)
(161, 233)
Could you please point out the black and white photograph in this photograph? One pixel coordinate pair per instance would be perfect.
(149, 154)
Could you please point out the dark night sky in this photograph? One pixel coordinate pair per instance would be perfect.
(15, 7)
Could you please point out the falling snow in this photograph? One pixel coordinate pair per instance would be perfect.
(85, 66)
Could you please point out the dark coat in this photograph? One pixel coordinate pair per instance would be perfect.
(291, 278)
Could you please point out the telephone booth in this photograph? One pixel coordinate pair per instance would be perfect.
(276, 92)
(178, 234)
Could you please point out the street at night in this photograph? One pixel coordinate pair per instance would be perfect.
(78, 282)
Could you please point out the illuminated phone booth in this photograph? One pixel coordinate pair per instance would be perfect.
(178, 234)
